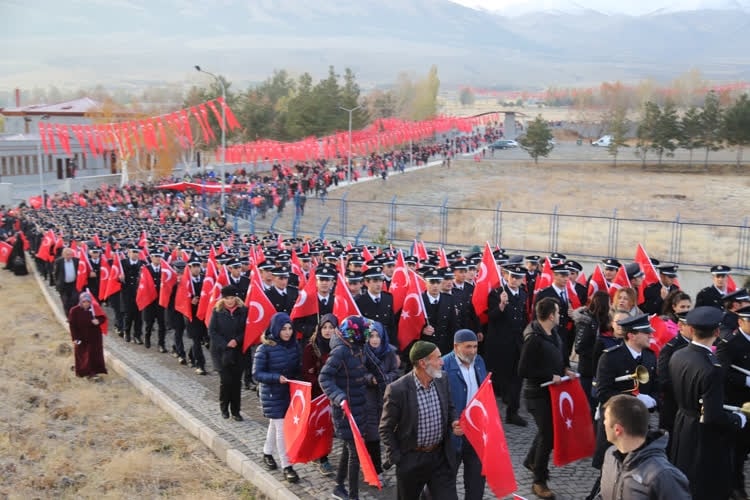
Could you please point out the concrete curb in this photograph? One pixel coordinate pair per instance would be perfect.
(240, 463)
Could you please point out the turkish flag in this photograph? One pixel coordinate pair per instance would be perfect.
(650, 274)
(575, 301)
(5, 249)
(597, 282)
(399, 283)
(365, 462)
(104, 271)
(96, 310)
(222, 280)
(731, 285)
(581, 278)
(661, 334)
(297, 414)
(482, 427)
(343, 302)
(488, 278)
(413, 316)
(544, 279)
(44, 252)
(571, 421)
(621, 281)
(208, 285)
(168, 281)
(146, 293)
(296, 267)
(259, 312)
(184, 296)
(443, 258)
(82, 275)
(307, 300)
(113, 284)
(419, 250)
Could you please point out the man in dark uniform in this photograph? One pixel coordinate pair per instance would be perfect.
(621, 361)
(532, 272)
(376, 304)
(714, 295)
(236, 277)
(131, 272)
(667, 403)
(282, 296)
(440, 309)
(506, 311)
(575, 269)
(462, 292)
(306, 325)
(733, 302)
(154, 312)
(655, 293)
(354, 281)
(609, 269)
(94, 281)
(196, 328)
(558, 290)
(703, 430)
(175, 319)
(734, 350)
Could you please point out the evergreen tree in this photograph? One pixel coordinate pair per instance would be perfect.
(665, 134)
(711, 124)
(690, 129)
(537, 141)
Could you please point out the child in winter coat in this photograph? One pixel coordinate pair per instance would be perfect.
(277, 360)
(343, 378)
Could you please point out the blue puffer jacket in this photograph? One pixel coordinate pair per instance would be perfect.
(275, 358)
(343, 377)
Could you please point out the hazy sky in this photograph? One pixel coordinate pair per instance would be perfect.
(632, 7)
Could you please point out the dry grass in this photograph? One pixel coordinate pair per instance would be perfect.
(64, 437)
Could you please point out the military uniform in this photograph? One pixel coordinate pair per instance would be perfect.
(442, 316)
(710, 296)
(131, 273)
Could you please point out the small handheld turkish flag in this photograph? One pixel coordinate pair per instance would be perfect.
(571, 421)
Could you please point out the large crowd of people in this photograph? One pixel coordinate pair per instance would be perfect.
(406, 397)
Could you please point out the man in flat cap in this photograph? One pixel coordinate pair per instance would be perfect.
(713, 295)
(416, 426)
(703, 430)
(734, 350)
(466, 371)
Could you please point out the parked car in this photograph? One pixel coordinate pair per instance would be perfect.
(503, 144)
(604, 141)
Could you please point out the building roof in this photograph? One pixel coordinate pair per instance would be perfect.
(75, 107)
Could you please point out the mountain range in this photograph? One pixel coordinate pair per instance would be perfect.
(134, 43)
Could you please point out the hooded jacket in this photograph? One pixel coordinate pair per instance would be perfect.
(643, 474)
(274, 358)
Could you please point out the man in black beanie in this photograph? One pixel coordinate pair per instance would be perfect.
(416, 424)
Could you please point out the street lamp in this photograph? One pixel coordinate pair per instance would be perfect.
(223, 134)
(40, 162)
(350, 111)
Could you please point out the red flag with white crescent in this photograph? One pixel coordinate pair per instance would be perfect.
(571, 421)
(259, 311)
(488, 278)
(168, 281)
(597, 282)
(343, 301)
(365, 462)
(621, 281)
(146, 293)
(413, 316)
(307, 300)
(482, 427)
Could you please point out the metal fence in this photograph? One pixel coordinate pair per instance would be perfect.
(399, 223)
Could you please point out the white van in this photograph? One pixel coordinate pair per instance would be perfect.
(604, 141)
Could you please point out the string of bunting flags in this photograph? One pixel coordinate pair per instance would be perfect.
(148, 133)
(384, 133)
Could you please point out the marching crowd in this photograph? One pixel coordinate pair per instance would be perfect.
(406, 392)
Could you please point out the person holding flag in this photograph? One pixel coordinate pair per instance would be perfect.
(344, 377)
(466, 370)
(543, 358)
(277, 361)
(86, 333)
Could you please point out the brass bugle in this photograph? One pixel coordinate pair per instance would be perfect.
(741, 370)
(640, 375)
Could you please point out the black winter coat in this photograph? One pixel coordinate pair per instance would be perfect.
(272, 360)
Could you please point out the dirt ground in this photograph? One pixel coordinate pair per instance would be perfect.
(65, 437)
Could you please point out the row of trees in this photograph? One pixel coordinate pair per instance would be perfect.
(661, 129)
(287, 109)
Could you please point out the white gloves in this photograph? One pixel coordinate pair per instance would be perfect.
(747, 381)
(743, 418)
(647, 400)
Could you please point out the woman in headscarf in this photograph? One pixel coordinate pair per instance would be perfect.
(382, 365)
(277, 361)
(313, 358)
(227, 332)
(344, 378)
(85, 330)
